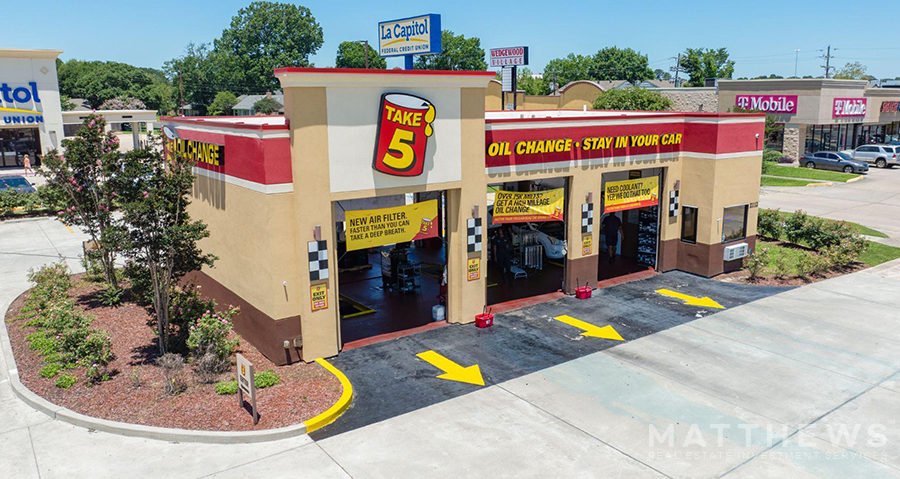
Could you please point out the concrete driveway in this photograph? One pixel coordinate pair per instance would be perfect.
(801, 384)
(873, 201)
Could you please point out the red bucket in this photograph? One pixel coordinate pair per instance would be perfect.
(485, 320)
(583, 292)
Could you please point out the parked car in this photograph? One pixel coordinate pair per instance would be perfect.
(17, 183)
(884, 156)
(833, 160)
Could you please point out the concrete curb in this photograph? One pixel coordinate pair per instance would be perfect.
(858, 178)
(820, 184)
(161, 433)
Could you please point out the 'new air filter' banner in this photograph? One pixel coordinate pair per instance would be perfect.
(372, 228)
(630, 194)
(518, 207)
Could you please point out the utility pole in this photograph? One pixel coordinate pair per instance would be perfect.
(827, 66)
(677, 69)
(366, 51)
(180, 93)
(796, 59)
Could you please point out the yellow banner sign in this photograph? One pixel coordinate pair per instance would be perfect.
(518, 207)
(586, 243)
(371, 228)
(630, 194)
(318, 295)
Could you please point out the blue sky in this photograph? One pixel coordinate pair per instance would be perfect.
(760, 35)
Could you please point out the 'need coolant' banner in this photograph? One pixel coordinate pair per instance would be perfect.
(518, 207)
(630, 194)
(372, 228)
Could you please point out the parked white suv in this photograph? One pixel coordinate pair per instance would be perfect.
(884, 156)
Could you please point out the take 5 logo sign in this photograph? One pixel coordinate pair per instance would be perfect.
(404, 126)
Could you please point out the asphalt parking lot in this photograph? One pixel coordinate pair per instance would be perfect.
(389, 379)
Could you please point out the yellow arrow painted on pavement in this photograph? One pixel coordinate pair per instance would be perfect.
(590, 330)
(705, 301)
(453, 371)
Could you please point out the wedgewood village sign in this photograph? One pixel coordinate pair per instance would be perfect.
(786, 104)
(848, 107)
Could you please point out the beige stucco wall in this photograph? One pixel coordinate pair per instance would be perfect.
(712, 185)
(257, 254)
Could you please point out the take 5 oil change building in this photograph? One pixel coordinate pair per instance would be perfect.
(383, 200)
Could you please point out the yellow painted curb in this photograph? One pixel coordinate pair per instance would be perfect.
(821, 184)
(851, 180)
(337, 408)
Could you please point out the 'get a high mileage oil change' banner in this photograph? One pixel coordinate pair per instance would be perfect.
(518, 207)
(630, 194)
(371, 228)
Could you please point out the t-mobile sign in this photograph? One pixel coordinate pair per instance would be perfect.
(768, 103)
(845, 107)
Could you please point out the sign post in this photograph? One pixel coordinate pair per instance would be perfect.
(410, 36)
(509, 59)
(246, 384)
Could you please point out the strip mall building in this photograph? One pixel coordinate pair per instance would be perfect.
(382, 194)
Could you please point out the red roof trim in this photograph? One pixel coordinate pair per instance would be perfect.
(213, 121)
(363, 71)
(663, 116)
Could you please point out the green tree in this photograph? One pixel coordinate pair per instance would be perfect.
(458, 53)
(561, 71)
(100, 81)
(661, 74)
(853, 71)
(86, 178)
(161, 237)
(703, 63)
(264, 36)
(222, 104)
(353, 55)
(525, 80)
(266, 106)
(196, 75)
(613, 63)
(632, 98)
(66, 103)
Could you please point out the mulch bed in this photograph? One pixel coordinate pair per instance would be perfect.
(134, 393)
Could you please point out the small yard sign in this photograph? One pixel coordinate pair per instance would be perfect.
(246, 385)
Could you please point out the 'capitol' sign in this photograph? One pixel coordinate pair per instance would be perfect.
(768, 103)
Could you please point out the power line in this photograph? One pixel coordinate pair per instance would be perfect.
(827, 66)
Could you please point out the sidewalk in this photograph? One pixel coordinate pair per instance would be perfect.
(800, 364)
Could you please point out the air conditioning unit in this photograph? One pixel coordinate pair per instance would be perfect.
(736, 251)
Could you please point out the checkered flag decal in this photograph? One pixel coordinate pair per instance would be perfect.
(473, 233)
(587, 218)
(318, 260)
(673, 203)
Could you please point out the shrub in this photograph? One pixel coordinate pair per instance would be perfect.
(41, 343)
(186, 308)
(786, 160)
(141, 286)
(795, 226)
(50, 370)
(110, 296)
(770, 224)
(756, 262)
(226, 388)
(266, 379)
(781, 266)
(846, 252)
(210, 333)
(66, 381)
(170, 365)
(209, 366)
(772, 155)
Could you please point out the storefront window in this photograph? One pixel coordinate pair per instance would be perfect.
(689, 224)
(775, 138)
(15, 143)
(734, 223)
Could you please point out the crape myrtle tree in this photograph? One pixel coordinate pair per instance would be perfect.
(85, 177)
(161, 238)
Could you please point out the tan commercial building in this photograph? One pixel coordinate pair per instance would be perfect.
(385, 200)
(818, 114)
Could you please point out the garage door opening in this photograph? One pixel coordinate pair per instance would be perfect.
(629, 226)
(386, 285)
(526, 239)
